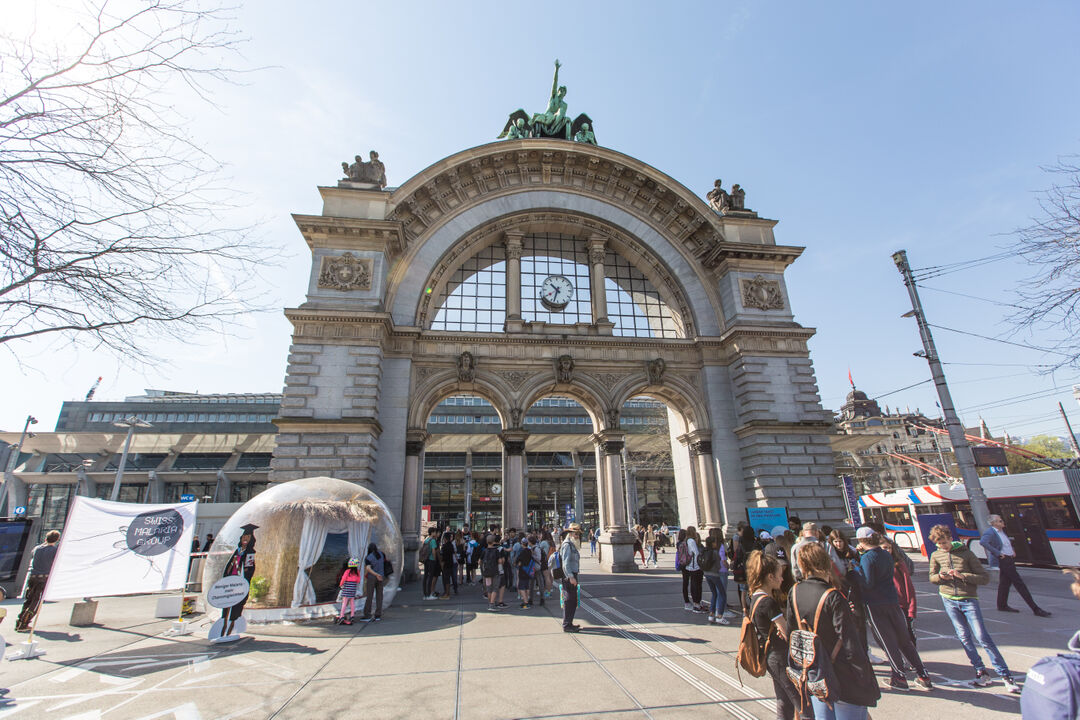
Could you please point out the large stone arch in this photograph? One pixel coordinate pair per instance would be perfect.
(406, 285)
(366, 367)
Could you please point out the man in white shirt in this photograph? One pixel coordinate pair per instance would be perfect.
(999, 548)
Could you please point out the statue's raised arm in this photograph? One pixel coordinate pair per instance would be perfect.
(555, 80)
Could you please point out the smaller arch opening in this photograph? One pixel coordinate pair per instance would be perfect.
(463, 463)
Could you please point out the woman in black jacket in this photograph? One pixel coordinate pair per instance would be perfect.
(857, 686)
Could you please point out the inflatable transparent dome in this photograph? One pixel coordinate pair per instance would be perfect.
(304, 533)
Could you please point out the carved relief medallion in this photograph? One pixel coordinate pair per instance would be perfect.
(762, 294)
(346, 272)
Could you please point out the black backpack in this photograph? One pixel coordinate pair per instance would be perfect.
(491, 562)
(809, 667)
(707, 560)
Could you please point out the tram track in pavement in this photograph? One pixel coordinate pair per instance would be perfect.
(598, 608)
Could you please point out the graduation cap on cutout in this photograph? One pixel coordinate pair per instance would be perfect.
(248, 529)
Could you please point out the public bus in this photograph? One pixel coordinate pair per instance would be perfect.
(1039, 511)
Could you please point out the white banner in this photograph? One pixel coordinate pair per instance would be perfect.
(115, 548)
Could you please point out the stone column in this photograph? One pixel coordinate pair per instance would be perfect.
(513, 491)
(468, 495)
(616, 540)
(597, 245)
(412, 495)
(579, 492)
(514, 246)
(699, 443)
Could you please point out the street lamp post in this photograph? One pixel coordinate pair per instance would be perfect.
(13, 488)
(30, 420)
(130, 423)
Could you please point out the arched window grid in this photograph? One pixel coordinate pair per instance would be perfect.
(474, 298)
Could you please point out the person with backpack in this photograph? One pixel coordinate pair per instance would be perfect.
(714, 567)
(875, 575)
(429, 560)
(826, 660)
(526, 566)
(472, 557)
(652, 543)
(763, 646)
(569, 564)
(1052, 690)
(905, 588)
(958, 573)
(490, 572)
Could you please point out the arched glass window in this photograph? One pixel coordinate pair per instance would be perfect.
(474, 299)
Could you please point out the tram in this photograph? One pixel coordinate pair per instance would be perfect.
(1039, 510)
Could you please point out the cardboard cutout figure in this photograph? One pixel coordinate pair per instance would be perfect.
(242, 563)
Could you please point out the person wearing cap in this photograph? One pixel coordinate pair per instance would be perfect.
(776, 548)
(875, 577)
(350, 584)
(570, 556)
(810, 534)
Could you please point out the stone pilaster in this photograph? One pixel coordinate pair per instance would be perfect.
(616, 540)
(513, 490)
(514, 247)
(783, 438)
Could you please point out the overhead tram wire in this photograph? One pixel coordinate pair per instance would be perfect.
(999, 340)
(971, 297)
(1023, 365)
(934, 271)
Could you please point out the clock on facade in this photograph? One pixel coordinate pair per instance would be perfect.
(556, 292)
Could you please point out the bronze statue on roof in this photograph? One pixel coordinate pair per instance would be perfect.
(554, 122)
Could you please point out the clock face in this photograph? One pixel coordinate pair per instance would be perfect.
(556, 292)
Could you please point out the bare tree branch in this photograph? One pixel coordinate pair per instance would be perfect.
(1050, 298)
(110, 214)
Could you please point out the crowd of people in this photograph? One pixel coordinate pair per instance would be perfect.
(503, 563)
(842, 593)
(795, 585)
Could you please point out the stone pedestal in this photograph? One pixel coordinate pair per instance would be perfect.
(83, 613)
(617, 551)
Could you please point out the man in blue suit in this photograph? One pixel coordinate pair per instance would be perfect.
(999, 551)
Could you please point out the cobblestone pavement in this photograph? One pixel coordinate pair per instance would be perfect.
(640, 655)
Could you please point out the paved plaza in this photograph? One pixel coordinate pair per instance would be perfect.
(640, 655)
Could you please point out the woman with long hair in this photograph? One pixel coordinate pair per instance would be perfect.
(764, 576)
(716, 577)
(694, 549)
(680, 565)
(857, 687)
(375, 567)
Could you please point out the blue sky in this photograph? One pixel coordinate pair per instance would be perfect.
(862, 127)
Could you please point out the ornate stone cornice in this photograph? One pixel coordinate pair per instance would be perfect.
(351, 233)
(473, 176)
(321, 425)
(809, 427)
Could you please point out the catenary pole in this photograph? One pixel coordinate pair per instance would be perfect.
(1068, 427)
(965, 460)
